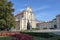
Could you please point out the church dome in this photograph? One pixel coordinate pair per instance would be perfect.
(29, 9)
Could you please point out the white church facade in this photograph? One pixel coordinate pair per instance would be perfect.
(25, 21)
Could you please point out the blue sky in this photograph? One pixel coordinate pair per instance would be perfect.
(44, 10)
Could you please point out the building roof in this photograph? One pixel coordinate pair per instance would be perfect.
(54, 19)
(42, 23)
(20, 13)
(58, 15)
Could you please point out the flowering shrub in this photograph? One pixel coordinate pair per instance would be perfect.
(17, 36)
(8, 33)
(22, 37)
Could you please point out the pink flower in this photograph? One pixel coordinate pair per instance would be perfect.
(22, 37)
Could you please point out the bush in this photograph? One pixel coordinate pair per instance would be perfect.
(26, 31)
(45, 28)
(35, 28)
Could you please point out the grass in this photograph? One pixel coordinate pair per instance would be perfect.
(43, 36)
(53, 38)
(39, 38)
(5, 38)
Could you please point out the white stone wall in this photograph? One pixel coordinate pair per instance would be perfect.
(27, 15)
(58, 21)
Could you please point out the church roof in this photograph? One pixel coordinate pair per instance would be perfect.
(20, 13)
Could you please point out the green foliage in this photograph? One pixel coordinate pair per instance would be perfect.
(5, 38)
(36, 34)
(35, 28)
(25, 31)
(45, 28)
(7, 19)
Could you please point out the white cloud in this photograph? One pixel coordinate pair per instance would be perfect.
(21, 9)
(42, 8)
(42, 15)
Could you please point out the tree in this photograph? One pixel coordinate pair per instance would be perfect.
(7, 19)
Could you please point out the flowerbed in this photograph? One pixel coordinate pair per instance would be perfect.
(22, 37)
(16, 36)
(8, 33)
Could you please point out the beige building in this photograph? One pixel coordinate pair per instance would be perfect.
(25, 20)
(54, 24)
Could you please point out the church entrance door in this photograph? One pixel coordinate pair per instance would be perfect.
(28, 25)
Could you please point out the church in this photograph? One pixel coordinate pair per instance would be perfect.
(25, 21)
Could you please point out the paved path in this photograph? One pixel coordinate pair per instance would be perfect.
(46, 30)
(57, 32)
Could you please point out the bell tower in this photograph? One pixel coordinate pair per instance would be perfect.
(30, 21)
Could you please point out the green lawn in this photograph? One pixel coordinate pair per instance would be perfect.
(5, 38)
(43, 36)
(53, 38)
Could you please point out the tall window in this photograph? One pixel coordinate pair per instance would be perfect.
(55, 26)
(22, 15)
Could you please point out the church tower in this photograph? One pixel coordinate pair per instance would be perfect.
(29, 21)
(30, 17)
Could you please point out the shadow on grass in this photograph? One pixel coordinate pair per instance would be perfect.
(42, 35)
